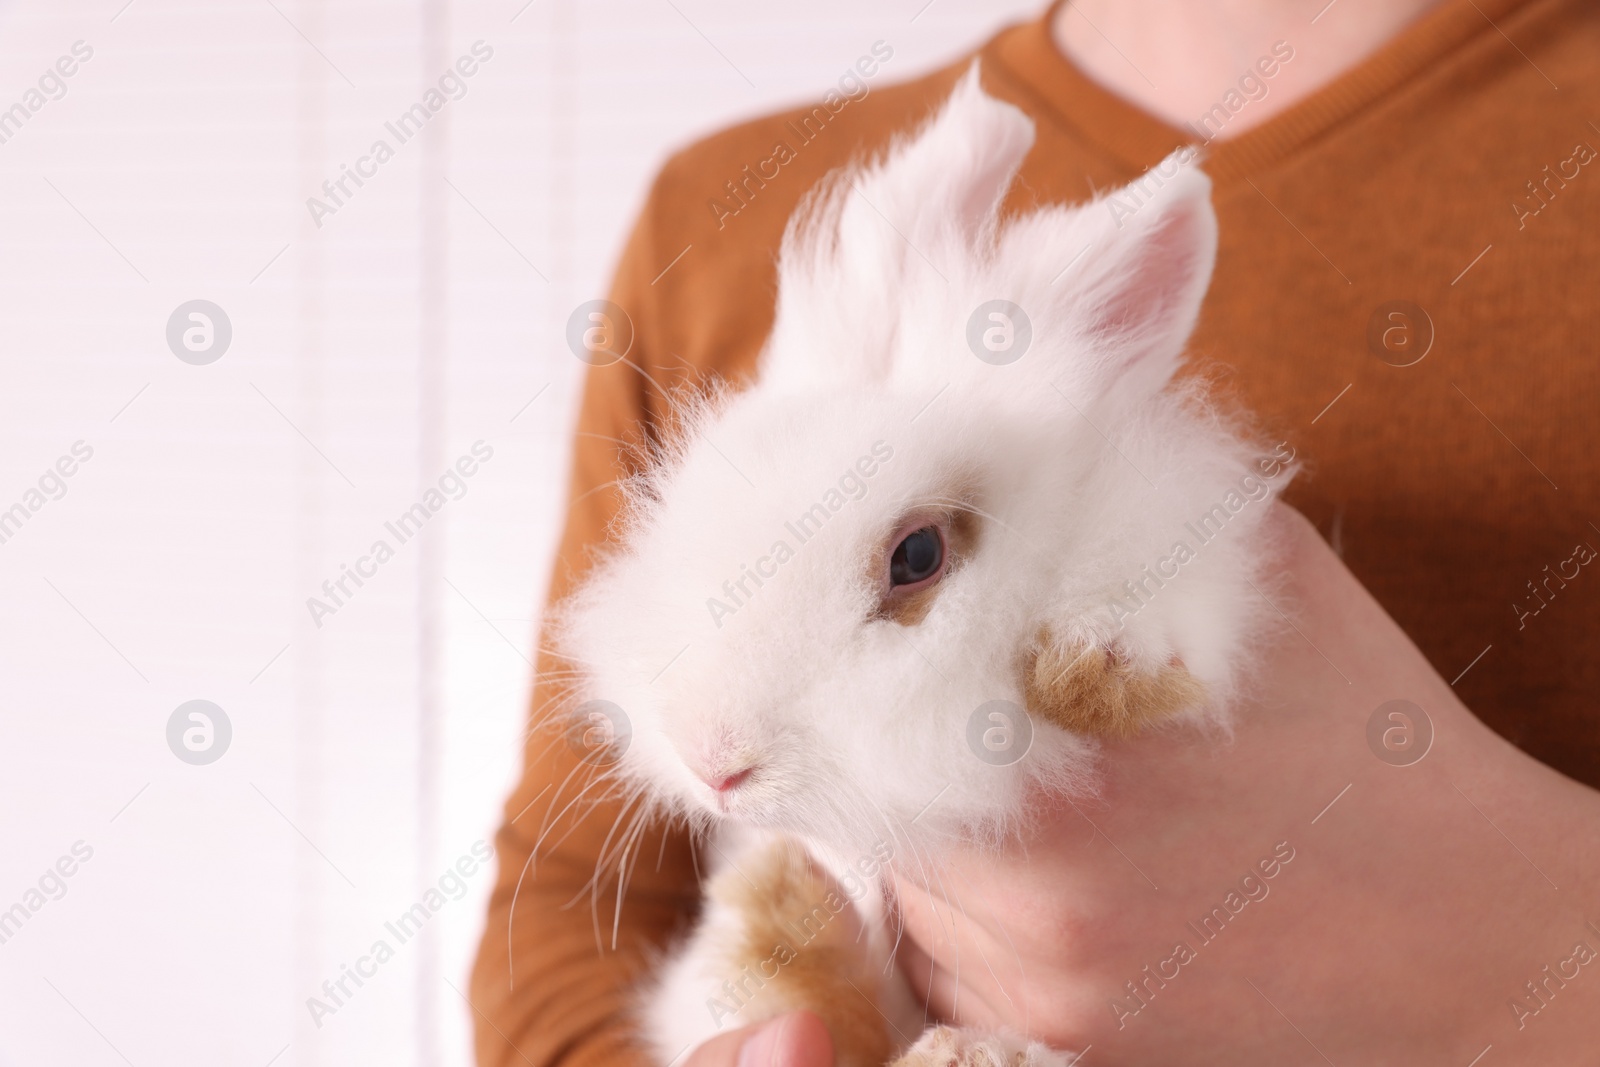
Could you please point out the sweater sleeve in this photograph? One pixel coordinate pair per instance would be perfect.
(560, 954)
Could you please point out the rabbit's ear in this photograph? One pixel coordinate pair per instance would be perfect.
(940, 192)
(1135, 293)
(871, 239)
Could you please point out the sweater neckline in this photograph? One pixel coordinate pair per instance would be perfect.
(1027, 54)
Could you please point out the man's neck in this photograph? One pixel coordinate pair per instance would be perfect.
(1183, 61)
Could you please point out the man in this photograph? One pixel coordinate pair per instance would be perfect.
(1404, 292)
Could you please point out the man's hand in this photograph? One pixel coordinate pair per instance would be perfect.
(1295, 892)
(797, 1039)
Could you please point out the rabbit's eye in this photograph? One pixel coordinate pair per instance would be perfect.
(918, 557)
(925, 548)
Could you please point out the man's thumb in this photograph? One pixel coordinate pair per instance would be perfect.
(797, 1039)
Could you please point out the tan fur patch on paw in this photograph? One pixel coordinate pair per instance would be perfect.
(804, 947)
(946, 1046)
(1092, 690)
(939, 1047)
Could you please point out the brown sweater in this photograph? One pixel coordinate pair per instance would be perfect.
(1455, 170)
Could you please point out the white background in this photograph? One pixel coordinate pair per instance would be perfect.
(428, 313)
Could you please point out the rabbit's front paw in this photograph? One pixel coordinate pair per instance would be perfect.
(947, 1046)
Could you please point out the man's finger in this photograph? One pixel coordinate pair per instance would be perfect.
(797, 1039)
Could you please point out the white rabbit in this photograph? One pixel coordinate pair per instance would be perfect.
(964, 484)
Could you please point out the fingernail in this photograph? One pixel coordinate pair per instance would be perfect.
(760, 1049)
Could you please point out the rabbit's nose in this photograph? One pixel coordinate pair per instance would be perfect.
(725, 782)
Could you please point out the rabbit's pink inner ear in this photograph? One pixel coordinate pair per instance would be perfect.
(1148, 298)
(1164, 277)
(1094, 690)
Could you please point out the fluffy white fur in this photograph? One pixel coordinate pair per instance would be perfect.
(1083, 458)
